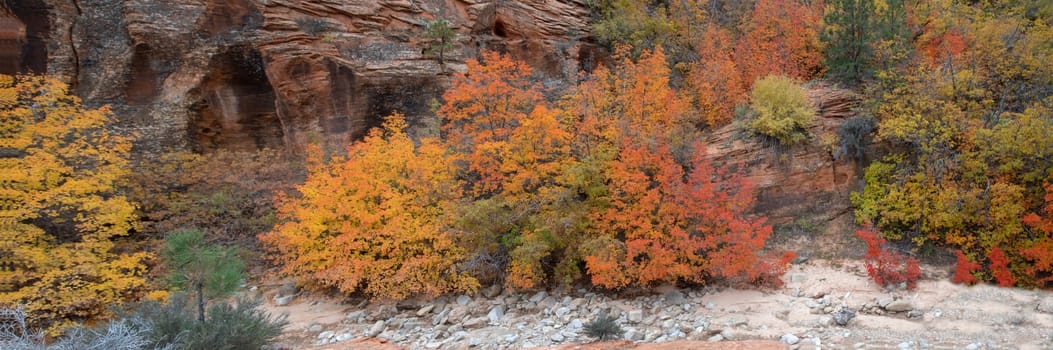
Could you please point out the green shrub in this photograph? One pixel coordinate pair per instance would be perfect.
(228, 327)
(783, 110)
(234, 327)
(604, 327)
(169, 322)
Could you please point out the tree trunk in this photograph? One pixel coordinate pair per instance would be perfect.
(200, 302)
(442, 51)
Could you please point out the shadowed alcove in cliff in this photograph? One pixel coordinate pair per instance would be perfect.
(12, 35)
(235, 109)
(146, 75)
(24, 29)
(360, 103)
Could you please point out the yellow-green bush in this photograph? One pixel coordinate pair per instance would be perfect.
(783, 110)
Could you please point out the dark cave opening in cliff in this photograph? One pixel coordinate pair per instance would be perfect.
(28, 54)
(499, 29)
(236, 105)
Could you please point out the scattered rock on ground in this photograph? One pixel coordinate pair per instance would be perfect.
(635, 316)
(425, 310)
(283, 300)
(1045, 305)
(841, 318)
(496, 314)
(287, 288)
(675, 298)
(376, 329)
(512, 320)
(899, 305)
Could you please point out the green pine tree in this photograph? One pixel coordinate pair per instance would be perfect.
(209, 271)
(442, 37)
(893, 35)
(860, 36)
(848, 36)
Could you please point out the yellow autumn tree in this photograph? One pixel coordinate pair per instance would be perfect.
(60, 209)
(376, 222)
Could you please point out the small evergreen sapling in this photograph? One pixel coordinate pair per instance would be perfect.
(206, 270)
(442, 37)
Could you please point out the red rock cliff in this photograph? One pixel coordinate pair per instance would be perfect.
(255, 73)
(802, 181)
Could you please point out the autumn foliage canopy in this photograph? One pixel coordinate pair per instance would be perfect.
(607, 185)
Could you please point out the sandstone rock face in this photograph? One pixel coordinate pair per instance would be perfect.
(245, 74)
(803, 179)
(369, 58)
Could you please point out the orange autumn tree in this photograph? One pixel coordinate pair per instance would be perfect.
(668, 223)
(482, 109)
(376, 222)
(716, 77)
(631, 100)
(663, 213)
(509, 149)
(538, 154)
(640, 93)
(782, 38)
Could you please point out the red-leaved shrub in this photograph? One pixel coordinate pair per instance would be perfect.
(772, 268)
(887, 267)
(1000, 268)
(964, 269)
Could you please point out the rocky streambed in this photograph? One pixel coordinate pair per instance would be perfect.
(820, 306)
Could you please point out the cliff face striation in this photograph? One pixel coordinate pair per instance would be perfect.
(243, 74)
